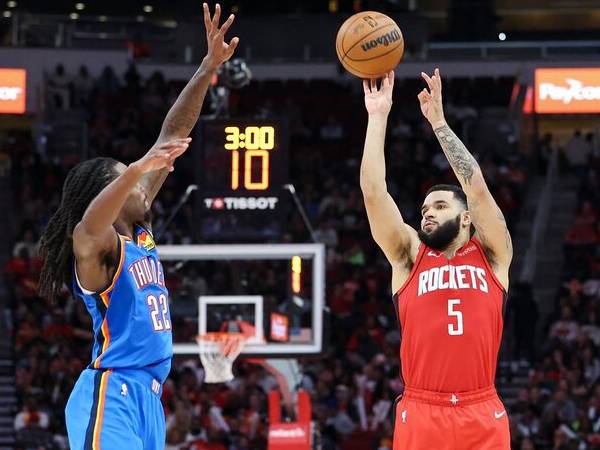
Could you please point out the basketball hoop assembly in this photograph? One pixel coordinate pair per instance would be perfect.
(270, 330)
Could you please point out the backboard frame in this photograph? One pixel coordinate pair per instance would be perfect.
(213, 252)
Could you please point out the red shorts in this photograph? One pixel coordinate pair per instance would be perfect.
(474, 420)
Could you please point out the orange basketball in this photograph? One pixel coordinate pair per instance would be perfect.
(369, 44)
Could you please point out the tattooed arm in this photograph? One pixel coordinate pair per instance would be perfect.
(184, 113)
(485, 213)
(180, 120)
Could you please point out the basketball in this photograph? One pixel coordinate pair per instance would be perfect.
(369, 44)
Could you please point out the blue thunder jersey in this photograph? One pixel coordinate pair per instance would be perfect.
(131, 319)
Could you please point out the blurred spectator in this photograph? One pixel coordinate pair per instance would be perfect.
(560, 408)
(58, 89)
(31, 416)
(178, 426)
(28, 243)
(566, 328)
(577, 151)
(331, 130)
(584, 230)
(31, 425)
(108, 83)
(82, 88)
(401, 129)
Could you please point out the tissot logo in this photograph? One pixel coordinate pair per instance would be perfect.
(239, 203)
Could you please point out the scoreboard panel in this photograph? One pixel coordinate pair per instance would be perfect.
(243, 168)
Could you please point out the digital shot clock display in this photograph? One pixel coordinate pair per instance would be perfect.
(243, 166)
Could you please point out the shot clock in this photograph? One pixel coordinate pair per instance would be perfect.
(256, 143)
(243, 166)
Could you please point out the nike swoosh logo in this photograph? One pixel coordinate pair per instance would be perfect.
(497, 415)
(433, 254)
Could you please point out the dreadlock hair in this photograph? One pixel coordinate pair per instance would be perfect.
(84, 182)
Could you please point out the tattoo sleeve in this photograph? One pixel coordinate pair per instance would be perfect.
(462, 162)
(180, 120)
(184, 113)
(485, 213)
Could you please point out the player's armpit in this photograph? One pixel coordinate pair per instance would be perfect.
(396, 239)
(492, 230)
(95, 256)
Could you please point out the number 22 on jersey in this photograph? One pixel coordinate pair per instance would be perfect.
(159, 312)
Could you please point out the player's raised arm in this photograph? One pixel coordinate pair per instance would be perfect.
(94, 237)
(184, 113)
(393, 236)
(485, 213)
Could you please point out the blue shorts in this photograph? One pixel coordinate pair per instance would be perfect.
(118, 409)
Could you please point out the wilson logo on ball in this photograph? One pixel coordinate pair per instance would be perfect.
(372, 22)
(384, 40)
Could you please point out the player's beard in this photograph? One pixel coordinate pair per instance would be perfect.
(440, 238)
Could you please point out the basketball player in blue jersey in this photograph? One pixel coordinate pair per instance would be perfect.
(99, 243)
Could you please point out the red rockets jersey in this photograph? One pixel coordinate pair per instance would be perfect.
(451, 317)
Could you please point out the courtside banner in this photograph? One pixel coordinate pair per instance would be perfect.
(567, 91)
(289, 436)
(12, 90)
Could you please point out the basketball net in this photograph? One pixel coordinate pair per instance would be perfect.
(218, 351)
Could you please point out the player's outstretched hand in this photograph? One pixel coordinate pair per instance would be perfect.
(431, 100)
(219, 51)
(378, 100)
(162, 156)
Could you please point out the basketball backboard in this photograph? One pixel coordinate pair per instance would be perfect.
(273, 293)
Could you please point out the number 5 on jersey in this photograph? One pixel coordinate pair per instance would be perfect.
(458, 330)
(159, 311)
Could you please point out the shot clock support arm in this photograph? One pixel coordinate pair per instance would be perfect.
(305, 219)
(182, 200)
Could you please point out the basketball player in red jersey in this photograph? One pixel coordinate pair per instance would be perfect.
(450, 288)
